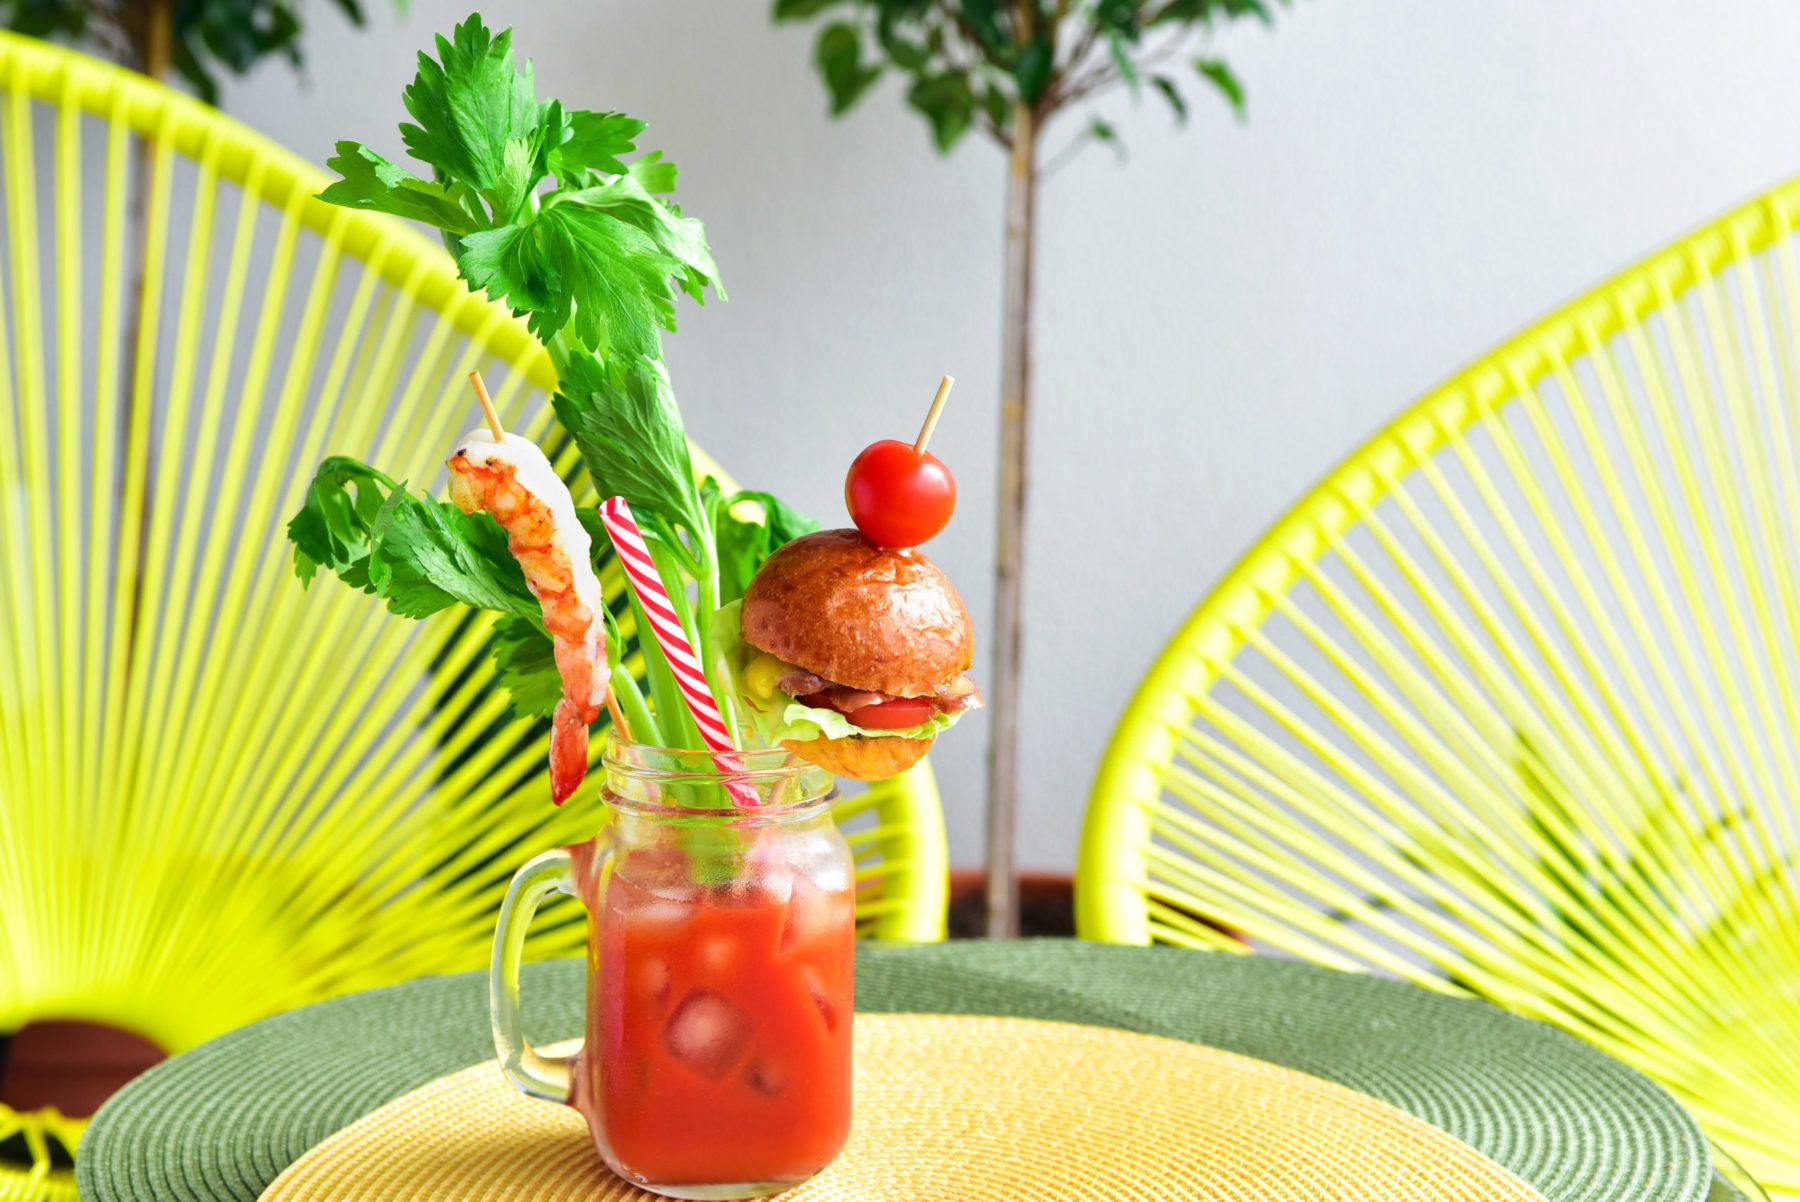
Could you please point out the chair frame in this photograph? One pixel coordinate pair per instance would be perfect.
(1110, 904)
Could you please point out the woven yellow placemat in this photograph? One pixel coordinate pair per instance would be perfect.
(956, 1107)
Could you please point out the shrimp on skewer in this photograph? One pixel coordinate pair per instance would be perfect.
(511, 479)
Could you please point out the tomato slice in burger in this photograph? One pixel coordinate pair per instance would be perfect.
(898, 713)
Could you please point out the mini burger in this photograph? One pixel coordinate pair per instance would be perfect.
(854, 656)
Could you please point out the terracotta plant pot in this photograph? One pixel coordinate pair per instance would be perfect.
(69, 1065)
(1046, 903)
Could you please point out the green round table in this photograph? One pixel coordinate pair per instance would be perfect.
(219, 1123)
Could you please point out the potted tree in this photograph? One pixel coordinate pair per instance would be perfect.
(1010, 69)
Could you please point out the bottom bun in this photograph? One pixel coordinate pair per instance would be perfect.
(859, 758)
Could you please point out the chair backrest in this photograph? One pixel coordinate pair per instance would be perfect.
(222, 795)
(1508, 705)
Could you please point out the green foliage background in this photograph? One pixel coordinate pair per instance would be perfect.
(973, 63)
(204, 36)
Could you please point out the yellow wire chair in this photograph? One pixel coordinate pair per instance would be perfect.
(221, 795)
(1510, 704)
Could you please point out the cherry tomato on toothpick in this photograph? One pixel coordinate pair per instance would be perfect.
(899, 496)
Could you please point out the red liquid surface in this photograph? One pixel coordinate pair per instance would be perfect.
(719, 1032)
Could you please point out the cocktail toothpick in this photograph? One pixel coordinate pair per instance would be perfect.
(487, 406)
(931, 418)
(618, 715)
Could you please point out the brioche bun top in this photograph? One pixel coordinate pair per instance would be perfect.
(886, 620)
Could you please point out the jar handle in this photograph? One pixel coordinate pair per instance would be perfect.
(532, 1072)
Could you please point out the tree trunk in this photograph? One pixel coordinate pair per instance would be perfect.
(154, 41)
(1015, 393)
(158, 45)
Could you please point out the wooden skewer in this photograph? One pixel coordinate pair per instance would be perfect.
(618, 716)
(931, 419)
(487, 407)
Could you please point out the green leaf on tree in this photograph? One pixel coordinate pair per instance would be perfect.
(1102, 131)
(1183, 11)
(838, 56)
(982, 18)
(1171, 93)
(1032, 70)
(1122, 63)
(998, 106)
(799, 10)
(1203, 11)
(1215, 72)
(947, 103)
(903, 52)
(1250, 8)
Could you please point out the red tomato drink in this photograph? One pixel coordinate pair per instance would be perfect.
(718, 1044)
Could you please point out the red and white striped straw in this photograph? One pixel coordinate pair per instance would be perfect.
(690, 675)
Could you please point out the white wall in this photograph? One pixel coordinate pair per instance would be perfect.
(1220, 319)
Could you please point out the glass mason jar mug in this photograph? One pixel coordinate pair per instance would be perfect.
(720, 962)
